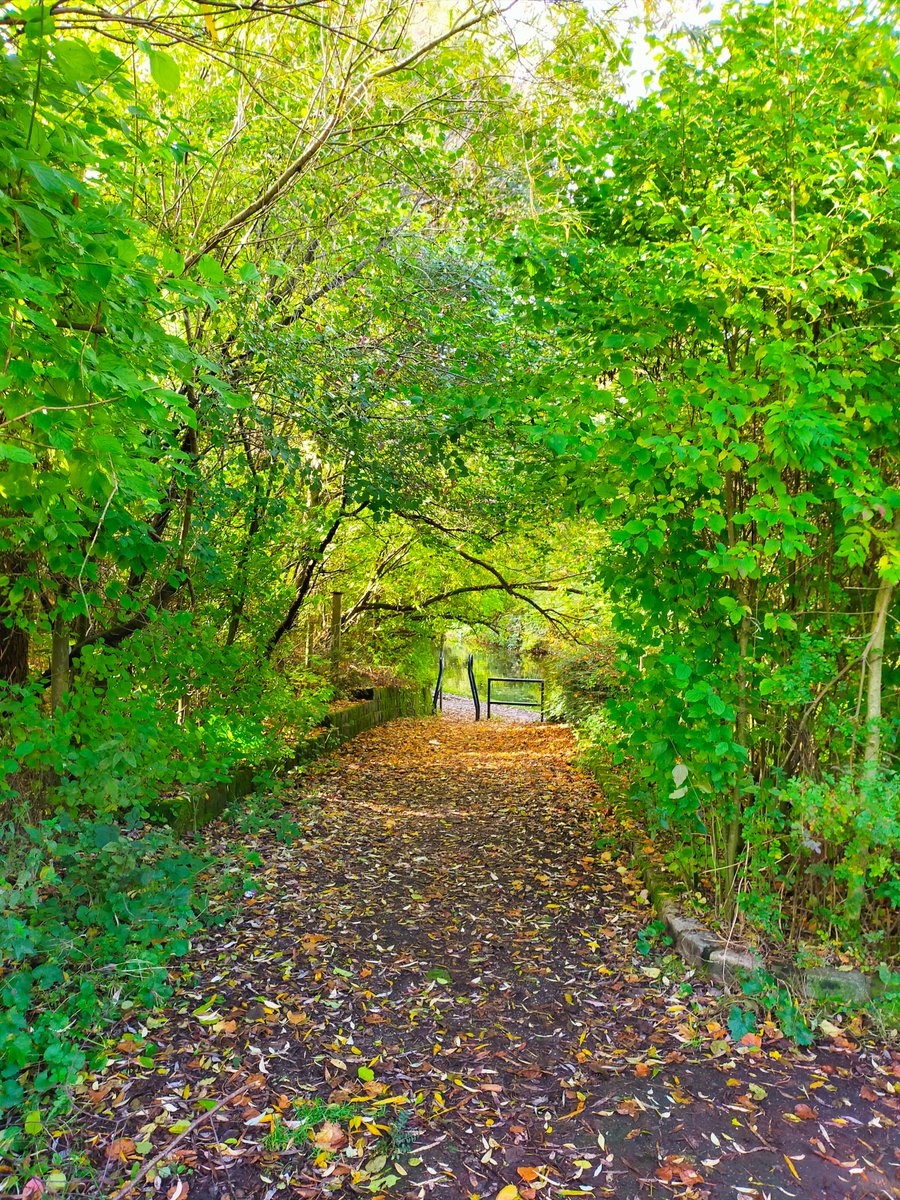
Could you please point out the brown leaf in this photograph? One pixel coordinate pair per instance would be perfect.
(805, 1113)
(676, 1169)
(121, 1149)
(97, 1095)
(330, 1136)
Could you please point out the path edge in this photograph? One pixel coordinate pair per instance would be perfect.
(700, 947)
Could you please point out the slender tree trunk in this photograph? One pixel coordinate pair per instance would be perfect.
(59, 662)
(741, 723)
(873, 665)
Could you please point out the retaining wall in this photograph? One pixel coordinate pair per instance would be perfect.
(383, 704)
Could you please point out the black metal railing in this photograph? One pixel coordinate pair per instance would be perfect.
(438, 699)
(515, 703)
(470, 669)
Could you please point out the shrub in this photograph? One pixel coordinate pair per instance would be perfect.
(90, 914)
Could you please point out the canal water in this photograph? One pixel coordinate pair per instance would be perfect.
(494, 661)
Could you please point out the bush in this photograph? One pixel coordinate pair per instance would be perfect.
(161, 716)
(90, 914)
(585, 678)
(812, 842)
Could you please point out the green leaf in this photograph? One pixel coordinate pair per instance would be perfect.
(172, 261)
(75, 59)
(35, 222)
(366, 1074)
(164, 71)
(13, 453)
(740, 1022)
(211, 270)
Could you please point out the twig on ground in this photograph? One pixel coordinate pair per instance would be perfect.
(170, 1146)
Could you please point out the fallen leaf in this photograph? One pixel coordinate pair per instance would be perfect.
(121, 1149)
(805, 1113)
(33, 1189)
(529, 1174)
(510, 1192)
(330, 1136)
(676, 1169)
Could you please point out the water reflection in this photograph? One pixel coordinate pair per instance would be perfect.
(494, 661)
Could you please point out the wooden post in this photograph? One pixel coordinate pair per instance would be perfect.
(335, 637)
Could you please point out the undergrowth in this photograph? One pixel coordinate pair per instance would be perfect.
(92, 915)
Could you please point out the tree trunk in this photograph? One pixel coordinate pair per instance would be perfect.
(59, 663)
(14, 642)
(873, 662)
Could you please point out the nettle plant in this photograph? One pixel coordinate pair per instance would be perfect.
(725, 401)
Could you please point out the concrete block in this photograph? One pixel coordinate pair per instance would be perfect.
(827, 983)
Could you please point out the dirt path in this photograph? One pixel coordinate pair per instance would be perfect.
(445, 958)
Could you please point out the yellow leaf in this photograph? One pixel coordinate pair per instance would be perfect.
(210, 24)
(510, 1192)
(791, 1167)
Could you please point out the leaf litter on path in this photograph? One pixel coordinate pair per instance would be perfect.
(435, 991)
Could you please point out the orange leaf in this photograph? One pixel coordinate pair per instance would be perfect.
(121, 1148)
(330, 1136)
(529, 1174)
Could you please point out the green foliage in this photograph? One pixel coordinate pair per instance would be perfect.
(92, 380)
(90, 915)
(118, 745)
(585, 679)
(718, 265)
(652, 937)
(769, 997)
(401, 1139)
